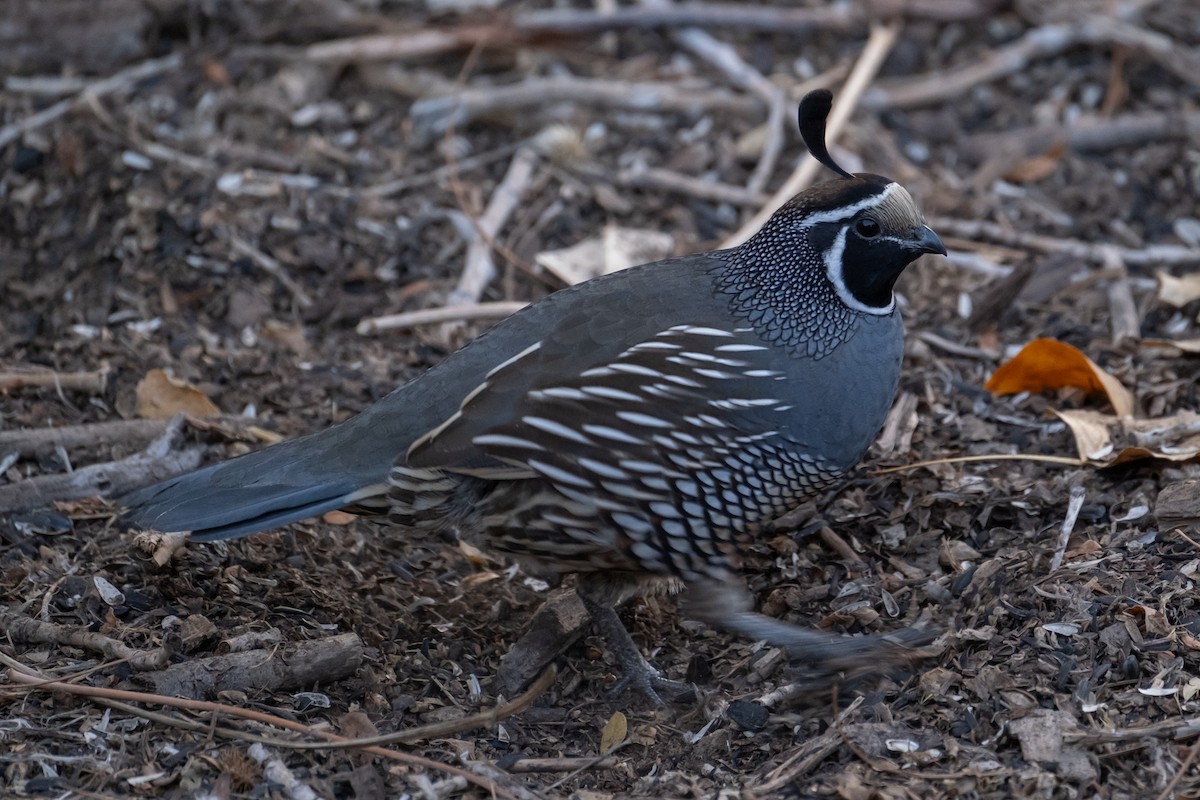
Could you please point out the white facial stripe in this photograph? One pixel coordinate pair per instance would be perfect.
(845, 212)
(833, 269)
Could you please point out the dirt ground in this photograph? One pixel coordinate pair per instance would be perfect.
(259, 179)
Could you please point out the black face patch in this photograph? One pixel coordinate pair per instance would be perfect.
(871, 267)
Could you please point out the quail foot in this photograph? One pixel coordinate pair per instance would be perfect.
(641, 426)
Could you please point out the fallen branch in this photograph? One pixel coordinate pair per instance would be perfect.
(1040, 43)
(93, 382)
(1122, 310)
(1083, 136)
(135, 432)
(283, 668)
(429, 316)
(121, 81)
(560, 764)
(23, 630)
(480, 268)
(1154, 255)
(108, 479)
(157, 462)
(272, 267)
(804, 758)
(434, 115)
(643, 177)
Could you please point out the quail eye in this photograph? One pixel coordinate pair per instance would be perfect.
(867, 228)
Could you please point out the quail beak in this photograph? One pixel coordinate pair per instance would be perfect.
(926, 241)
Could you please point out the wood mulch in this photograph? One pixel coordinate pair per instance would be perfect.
(223, 207)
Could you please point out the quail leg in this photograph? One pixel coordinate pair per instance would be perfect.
(727, 606)
(637, 674)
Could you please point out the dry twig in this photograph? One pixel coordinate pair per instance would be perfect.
(480, 269)
(124, 80)
(1154, 255)
(21, 629)
(93, 382)
(433, 116)
(429, 316)
(1040, 43)
(273, 268)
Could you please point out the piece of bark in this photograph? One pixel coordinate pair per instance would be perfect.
(557, 625)
(1178, 505)
(292, 666)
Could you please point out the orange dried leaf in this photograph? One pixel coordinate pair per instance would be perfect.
(1050, 364)
(159, 396)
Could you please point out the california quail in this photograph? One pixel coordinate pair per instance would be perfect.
(640, 425)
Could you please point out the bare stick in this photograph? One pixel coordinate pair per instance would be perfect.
(123, 80)
(838, 16)
(480, 269)
(156, 462)
(429, 316)
(880, 43)
(135, 432)
(1122, 311)
(1085, 135)
(433, 116)
(1039, 43)
(643, 177)
(561, 764)
(289, 666)
(1064, 535)
(273, 267)
(1154, 255)
(112, 478)
(31, 631)
(92, 382)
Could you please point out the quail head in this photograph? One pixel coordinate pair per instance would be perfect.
(642, 425)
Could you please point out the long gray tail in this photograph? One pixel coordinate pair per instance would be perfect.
(284, 483)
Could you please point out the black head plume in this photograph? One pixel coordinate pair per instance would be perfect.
(814, 108)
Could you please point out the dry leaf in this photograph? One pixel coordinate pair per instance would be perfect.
(615, 250)
(614, 732)
(1050, 364)
(1104, 440)
(1178, 292)
(159, 396)
(338, 517)
(290, 336)
(1034, 169)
